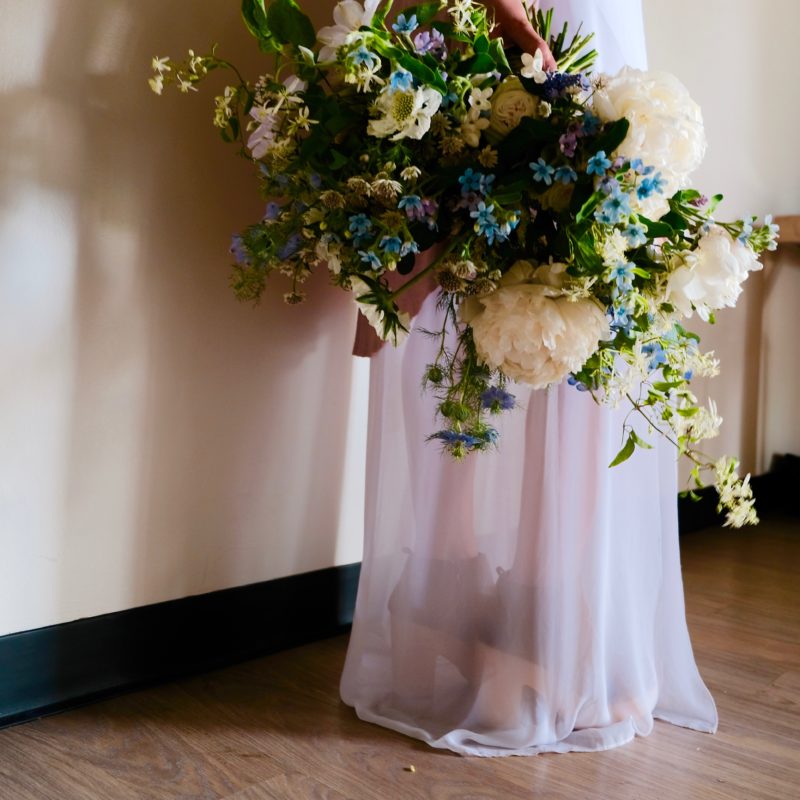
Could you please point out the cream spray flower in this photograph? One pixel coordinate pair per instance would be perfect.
(533, 66)
(349, 16)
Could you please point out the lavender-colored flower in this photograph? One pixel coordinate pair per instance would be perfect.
(431, 42)
(567, 142)
(469, 201)
(273, 210)
(412, 203)
(699, 202)
(290, 247)
(239, 251)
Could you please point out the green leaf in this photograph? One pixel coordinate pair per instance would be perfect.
(380, 14)
(255, 18)
(422, 72)
(499, 55)
(481, 44)
(289, 24)
(482, 62)
(640, 442)
(612, 137)
(589, 206)
(337, 159)
(657, 228)
(424, 11)
(626, 452)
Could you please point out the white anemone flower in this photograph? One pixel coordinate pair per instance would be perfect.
(533, 66)
(406, 113)
(349, 16)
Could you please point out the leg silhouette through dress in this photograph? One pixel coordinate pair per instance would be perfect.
(529, 599)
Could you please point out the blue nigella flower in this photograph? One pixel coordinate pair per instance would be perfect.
(404, 25)
(579, 385)
(636, 234)
(360, 224)
(455, 438)
(315, 180)
(598, 164)
(371, 258)
(273, 210)
(391, 244)
(542, 171)
(497, 399)
(565, 175)
(290, 246)
(402, 80)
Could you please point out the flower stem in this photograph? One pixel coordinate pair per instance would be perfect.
(422, 273)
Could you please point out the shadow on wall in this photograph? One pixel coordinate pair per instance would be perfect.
(179, 441)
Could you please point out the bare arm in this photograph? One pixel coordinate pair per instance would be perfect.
(514, 24)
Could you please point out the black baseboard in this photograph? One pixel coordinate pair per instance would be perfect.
(62, 666)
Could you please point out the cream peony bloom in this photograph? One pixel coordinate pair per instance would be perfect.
(510, 103)
(530, 330)
(711, 276)
(406, 113)
(349, 16)
(666, 126)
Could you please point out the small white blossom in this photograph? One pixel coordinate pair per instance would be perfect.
(533, 66)
(161, 65)
(157, 83)
(479, 98)
(410, 173)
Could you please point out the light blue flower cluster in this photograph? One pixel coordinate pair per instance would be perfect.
(473, 181)
(486, 223)
(404, 25)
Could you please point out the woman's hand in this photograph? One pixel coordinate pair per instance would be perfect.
(514, 24)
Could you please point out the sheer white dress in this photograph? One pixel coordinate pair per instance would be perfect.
(530, 599)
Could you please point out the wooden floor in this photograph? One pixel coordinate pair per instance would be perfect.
(275, 728)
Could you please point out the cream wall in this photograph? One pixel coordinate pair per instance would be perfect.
(737, 60)
(160, 439)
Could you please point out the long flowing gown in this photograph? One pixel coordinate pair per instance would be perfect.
(529, 599)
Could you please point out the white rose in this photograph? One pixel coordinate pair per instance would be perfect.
(529, 330)
(510, 103)
(711, 276)
(666, 126)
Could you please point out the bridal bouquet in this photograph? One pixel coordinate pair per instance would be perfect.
(568, 243)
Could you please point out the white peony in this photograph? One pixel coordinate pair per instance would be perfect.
(666, 126)
(530, 330)
(510, 103)
(349, 16)
(711, 276)
(406, 113)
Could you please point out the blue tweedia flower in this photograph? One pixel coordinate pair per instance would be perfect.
(747, 229)
(649, 186)
(404, 25)
(402, 80)
(448, 99)
(371, 258)
(542, 171)
(273, 210)
(391, 244)
(290, 247)
(688, 375)
(485, 221)
(362, 57)
(497, 399)
(486, 183)
(656, 353)
(470, 181)
(637, 165)
(360, 224)
(408, 247)
(636, 234)
(591, 124)
(614, 209)
(621, 275)
(412, 203)
(598, 164)
(620, 319)
(239, 251)
(573, 381)
(565, 175)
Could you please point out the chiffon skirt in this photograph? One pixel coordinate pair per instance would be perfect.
(523, 600)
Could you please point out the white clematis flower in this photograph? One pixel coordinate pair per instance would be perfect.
(349, 16)
(533, 66)
(406, 113)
